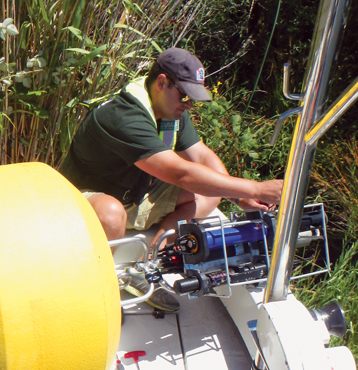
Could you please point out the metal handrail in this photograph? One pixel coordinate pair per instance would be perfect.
(330, 24)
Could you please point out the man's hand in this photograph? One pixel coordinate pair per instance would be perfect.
(270, 196)
(247, 204)
(270, 191)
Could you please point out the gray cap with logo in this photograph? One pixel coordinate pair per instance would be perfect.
(187, 71)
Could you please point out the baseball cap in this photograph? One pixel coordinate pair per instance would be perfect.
(187, 71)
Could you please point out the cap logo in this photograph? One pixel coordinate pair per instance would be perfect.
(200, 74)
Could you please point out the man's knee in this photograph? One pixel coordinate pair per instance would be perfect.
(212, 202)
(111, 214)
(208, 204)
(203, 205)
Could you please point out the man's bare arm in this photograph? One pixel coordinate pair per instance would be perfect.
(200, 153)
(201, 179)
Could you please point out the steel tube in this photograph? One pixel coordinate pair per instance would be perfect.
(336, 110)
(286, 84)
(329, 27)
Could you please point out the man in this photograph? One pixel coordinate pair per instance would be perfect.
(139, 161)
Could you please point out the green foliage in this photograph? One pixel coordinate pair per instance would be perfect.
(232, 37)
(242, 143)
(224, 131)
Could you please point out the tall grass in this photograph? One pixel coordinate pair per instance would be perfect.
(336, 174)
(67, 52)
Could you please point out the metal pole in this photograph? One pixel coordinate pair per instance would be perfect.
(328, 30)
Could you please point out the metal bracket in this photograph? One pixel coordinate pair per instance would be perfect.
(281, 120)
(286, 83)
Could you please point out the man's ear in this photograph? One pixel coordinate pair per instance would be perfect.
(161, 81)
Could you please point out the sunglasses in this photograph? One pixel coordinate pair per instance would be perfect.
(183, 97)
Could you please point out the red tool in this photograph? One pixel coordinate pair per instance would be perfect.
(135, 355)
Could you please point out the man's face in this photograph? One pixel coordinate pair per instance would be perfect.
(170, 103)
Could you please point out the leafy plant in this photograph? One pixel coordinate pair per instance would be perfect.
(226, 133)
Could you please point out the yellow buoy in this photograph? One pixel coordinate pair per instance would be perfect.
(59, 297)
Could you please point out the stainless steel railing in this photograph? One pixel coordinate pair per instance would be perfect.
(311, 123)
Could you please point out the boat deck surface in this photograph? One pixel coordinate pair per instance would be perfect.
(201, 335)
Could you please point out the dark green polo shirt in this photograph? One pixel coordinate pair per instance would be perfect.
(115, 136)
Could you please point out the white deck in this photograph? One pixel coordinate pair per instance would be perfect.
(201, 335)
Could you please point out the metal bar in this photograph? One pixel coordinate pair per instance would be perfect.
(286, 84)
(259, 361)
(160, 241)
(135, 239)
(328, 30)
(310, 274)
(336, 110)
(281, 120)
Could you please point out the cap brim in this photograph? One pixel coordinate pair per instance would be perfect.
(196, 92)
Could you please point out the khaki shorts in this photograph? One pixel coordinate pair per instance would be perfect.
(155, 205)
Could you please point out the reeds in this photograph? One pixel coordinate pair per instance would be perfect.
(67, 52)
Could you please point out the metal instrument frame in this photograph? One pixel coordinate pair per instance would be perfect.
(223, 225)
